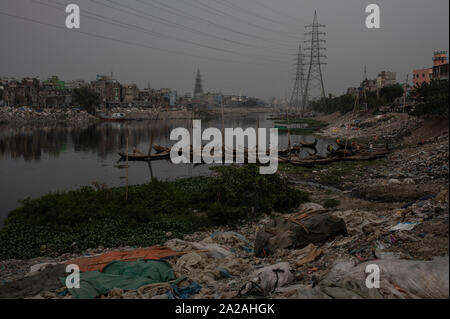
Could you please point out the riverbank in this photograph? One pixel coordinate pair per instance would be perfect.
(395, 211)
(142, 214)
(25, 116)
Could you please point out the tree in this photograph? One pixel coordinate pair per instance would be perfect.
(431, 99)
(391, 92)
(86, 98)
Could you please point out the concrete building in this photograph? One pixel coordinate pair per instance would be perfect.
(76, 84)
(108, 88)
(439, 70)
(386, 78)
(421, 76)
(440, 65)
(130, 93)
(369, 85)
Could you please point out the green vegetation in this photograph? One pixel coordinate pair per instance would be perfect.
(334, 174)
(331, 203)
(346, 102)
(391, 92)
(88, 217)
(86, 98)
(431, 100)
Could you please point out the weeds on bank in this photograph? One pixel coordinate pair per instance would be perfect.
(333, 174)
(90, 217)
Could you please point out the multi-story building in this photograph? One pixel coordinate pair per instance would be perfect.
(24, 93)
(76, 84)
(421, 76)
(369, 85)
(130, 93)
(54, 94)
(386, 78)
(440, 65)
(108, 88)
(439, 70)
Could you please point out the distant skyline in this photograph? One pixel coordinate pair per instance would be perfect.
(240, 46)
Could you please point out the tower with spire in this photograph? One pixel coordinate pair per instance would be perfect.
(198, 90)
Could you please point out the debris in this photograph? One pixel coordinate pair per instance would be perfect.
(45, 280)
(404, 226)
(402, 279)
(312, 252)
(270, 278)
(297, 231)
(99, 262)
(129, 275)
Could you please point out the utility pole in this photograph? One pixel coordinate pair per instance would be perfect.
(404, 93)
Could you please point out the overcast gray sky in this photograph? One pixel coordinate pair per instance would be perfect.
(241, 46)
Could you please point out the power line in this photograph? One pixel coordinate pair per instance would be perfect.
(276, 11)
(98, 36)
(225, 14)
(167, 22)
(182, 13)
(233, 6)
(154, 33)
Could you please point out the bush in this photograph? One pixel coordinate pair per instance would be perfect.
(87, 218)
(431, 100)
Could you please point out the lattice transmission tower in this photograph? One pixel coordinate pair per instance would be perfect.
(314, 88)
(296, 102)
(198, 89)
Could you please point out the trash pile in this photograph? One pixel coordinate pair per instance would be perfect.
(390, 126)
(23, 115)
(422, 164)
(312, 253)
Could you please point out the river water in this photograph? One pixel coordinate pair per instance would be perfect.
(36, 160)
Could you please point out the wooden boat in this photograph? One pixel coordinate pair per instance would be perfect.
(309, 145)
(138, 156)
(312, 162)
(160, 149)
(365, 156)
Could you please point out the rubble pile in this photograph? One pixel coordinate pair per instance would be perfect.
(390, 127)
(24, 115)
(415, 165)
(224, 264)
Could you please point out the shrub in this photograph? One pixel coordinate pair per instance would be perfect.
(87, 217)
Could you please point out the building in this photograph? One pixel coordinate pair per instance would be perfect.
(439, 70)
(130, 93)
(76, 84)
(213, 99)
(386, 78)
(369, 85)
(9, 91)
(421, 76)
(54, 94)
(108, 88)
(440, 65)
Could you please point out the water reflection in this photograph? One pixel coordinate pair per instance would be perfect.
(35, 160)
